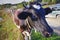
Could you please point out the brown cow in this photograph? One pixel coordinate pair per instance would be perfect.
(25, 25)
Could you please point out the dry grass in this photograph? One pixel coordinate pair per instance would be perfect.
(8, 31)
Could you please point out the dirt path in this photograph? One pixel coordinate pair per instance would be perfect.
(55, 24)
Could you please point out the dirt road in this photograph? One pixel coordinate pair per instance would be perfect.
(55, 24)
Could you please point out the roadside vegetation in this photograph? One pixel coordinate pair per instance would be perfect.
(38, 36)
(8, 30)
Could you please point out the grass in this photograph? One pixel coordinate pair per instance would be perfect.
(38, 36)
(8, 30)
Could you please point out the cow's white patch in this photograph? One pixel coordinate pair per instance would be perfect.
(18, 27)
(36, 6)
(27, 35)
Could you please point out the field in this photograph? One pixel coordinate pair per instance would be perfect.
(8, 31)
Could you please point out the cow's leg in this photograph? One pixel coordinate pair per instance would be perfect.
(26, 35)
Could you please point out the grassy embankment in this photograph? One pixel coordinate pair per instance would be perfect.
(8, 31)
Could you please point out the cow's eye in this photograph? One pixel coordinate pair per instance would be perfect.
(36, 6)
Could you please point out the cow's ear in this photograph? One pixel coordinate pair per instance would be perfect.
(48, 10)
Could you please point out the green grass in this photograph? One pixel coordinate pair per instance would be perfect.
(38, 36)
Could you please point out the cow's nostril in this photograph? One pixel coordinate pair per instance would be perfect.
(47, 35)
